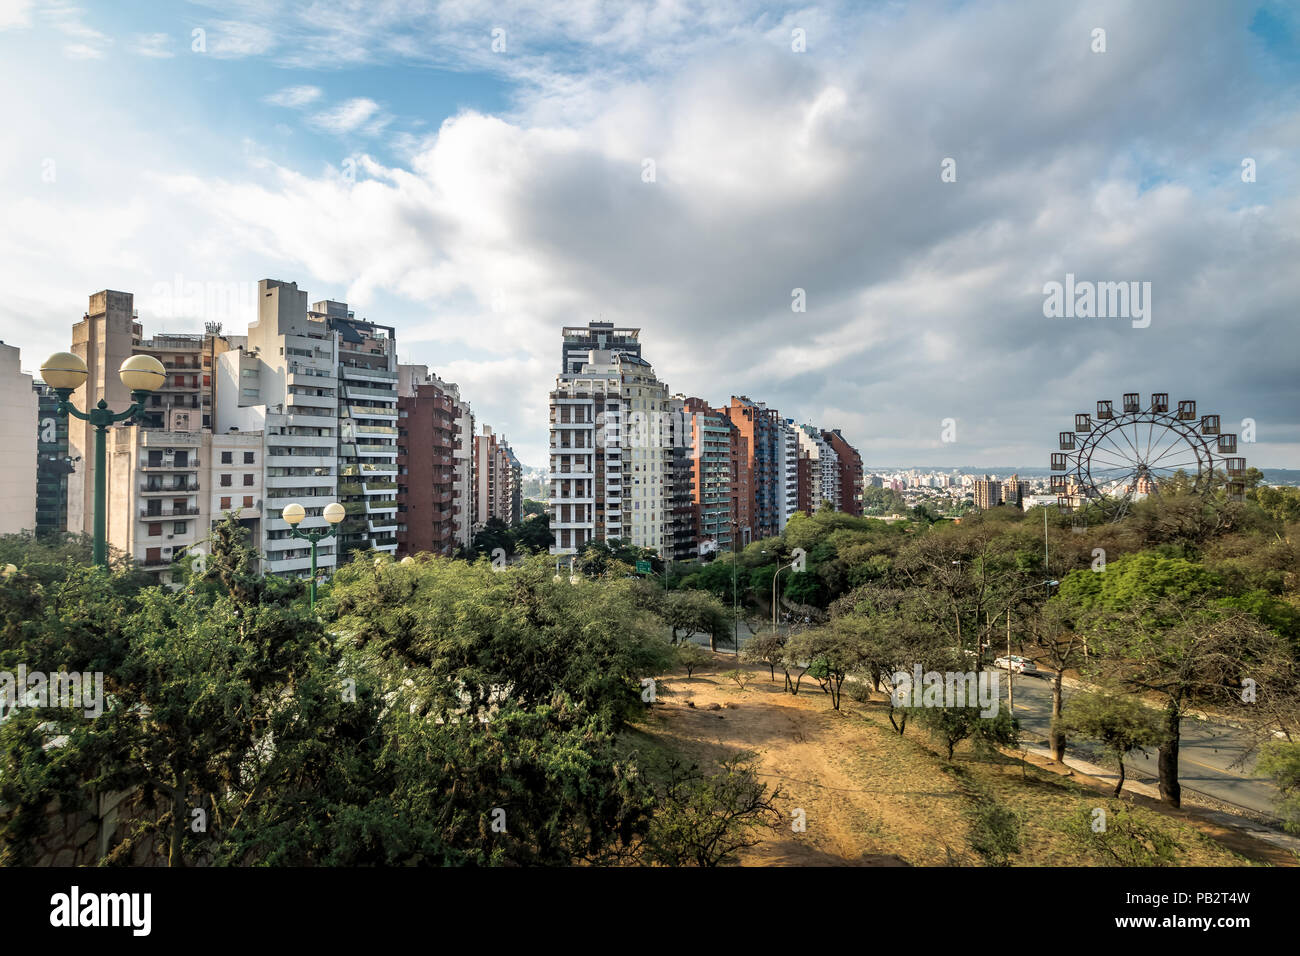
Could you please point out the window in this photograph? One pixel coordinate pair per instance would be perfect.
(248, 501)
(227, 457)
(248, 481)
(248, 458)
(225, 504)
(225, 481)
(155, 529)
(152, 555)
(178, 527)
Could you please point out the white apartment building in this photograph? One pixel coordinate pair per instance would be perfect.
(281, 381)
(788, 462)
(611, 459)
(18, 439)
(826, 470)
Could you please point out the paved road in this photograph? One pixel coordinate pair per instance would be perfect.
(1205, 755)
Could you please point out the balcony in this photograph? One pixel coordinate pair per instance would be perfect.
(189, 512)
(150, 488)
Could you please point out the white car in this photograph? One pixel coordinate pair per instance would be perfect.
(1019, 665)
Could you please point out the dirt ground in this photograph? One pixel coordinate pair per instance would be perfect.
(872, 798)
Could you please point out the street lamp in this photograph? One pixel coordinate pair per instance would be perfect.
(775, 577)
(293, 513)
(66, 373)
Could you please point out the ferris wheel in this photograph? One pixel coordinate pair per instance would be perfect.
(1116, 457)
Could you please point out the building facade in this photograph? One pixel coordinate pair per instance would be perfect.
(427, 496)
(53, 465)
(18, 438)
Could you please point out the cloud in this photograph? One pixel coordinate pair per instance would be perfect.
(294, 97)
(153, 45)
(777, 170)
(232, 39)
(350, 116)
(15, 14)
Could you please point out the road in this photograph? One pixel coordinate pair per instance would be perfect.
(1205, 755)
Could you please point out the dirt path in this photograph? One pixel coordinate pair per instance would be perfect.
(870, 797)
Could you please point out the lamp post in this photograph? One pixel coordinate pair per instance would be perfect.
(775, 577)
(293, 513)
(66, 373)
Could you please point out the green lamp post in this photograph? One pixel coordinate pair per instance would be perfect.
(65, 373)
(294, 513)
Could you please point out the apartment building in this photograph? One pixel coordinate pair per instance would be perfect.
(18, 439)
(824, 473)
(428, 497)
(579, 341)
(236, 479)
(759, 426)
(1014, 490)
(611, 461)
(462, 465)
(711, 476)
(280, 383)
(367, 429)
(681, 543)
(988, 493)
(53, 465)
(157, 470)
(787, 472)
(498, 481)
(849, 463)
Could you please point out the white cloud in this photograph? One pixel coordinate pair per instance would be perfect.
(775, 170)
(232, 39)
(294, 97)
(153, 45)
(349, 116)
(15, 13)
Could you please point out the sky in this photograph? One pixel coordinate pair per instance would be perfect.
(479, 175)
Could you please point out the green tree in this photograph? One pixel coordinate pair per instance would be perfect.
(1121, 724)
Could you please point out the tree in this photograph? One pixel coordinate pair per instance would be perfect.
(952, 725)
(840, 648)
(691, 656)
(1117, 835)
(1281, 760)
(703, 820)
(1120, 724)
(1161, 633)
(695, 612)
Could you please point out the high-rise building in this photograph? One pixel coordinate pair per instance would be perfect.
(759, 427)
(18, 467)
(711, 476)
(157, 471)
(367, 429)
(825, 468)
(436, 452)
(988, 493)
(498, 481)
(427, 495)
(280, 383)
(849, 463)
(580, 341)
(611, 462)
(788, 472)
(53, 464)
(681, 541)
(1014, 490)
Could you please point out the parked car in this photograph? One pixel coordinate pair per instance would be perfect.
(1019, 665)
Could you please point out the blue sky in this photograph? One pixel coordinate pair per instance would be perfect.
(478, 199)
